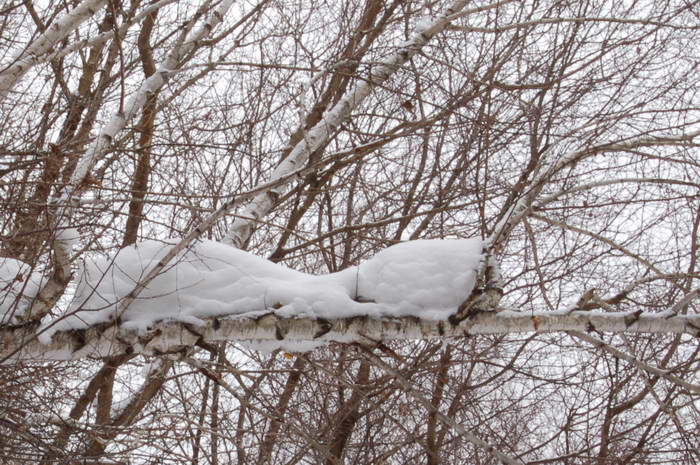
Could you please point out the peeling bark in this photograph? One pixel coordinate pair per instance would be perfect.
(21, 343)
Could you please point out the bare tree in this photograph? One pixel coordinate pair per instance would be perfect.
(562, 135)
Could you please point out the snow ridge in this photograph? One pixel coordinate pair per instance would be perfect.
(424, 278)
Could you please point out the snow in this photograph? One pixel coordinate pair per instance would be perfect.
(424, 23)
(18, 286)
(69, 237)
(424, 278)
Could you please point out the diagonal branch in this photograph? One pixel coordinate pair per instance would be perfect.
(461, 430)
(638, 363)
(523, 206)
(242, 227)
(24, 60)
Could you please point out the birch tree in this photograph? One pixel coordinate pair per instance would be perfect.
(300, 151)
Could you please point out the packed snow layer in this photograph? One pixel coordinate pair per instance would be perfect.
(18, 287)
(424, 278)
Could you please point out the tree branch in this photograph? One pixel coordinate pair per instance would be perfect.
(24, 60)
(21, 343)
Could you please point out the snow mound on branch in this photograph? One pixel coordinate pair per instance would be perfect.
(68, 237)
(425, 278)
(18, 287)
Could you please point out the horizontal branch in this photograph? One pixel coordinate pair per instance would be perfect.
(294, 334)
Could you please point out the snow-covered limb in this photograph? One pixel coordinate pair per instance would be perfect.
(426, 278)
(23, 60)
(212, 292)
(242, 227)
(296, 333)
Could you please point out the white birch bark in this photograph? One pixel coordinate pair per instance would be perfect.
(102, 143)
(23, 60)
(172, 336)
(135, 103)
(242, 227)
(105, 36)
